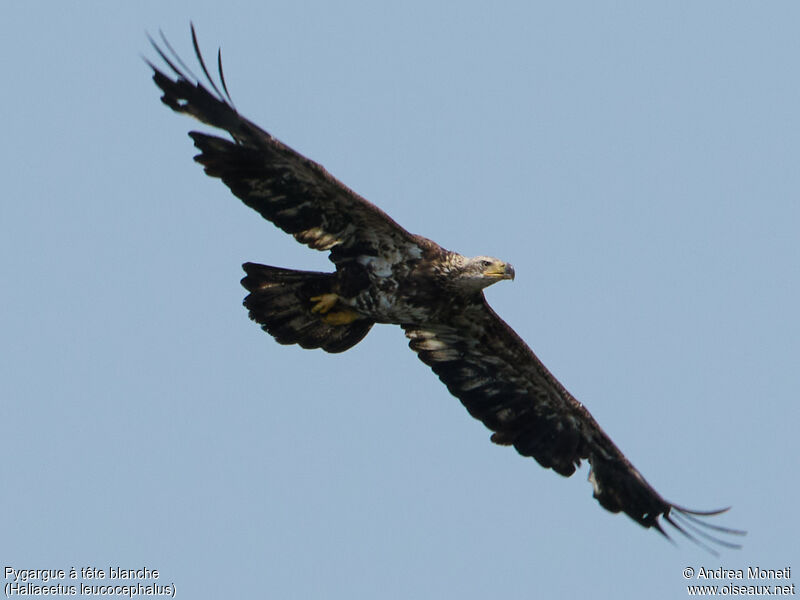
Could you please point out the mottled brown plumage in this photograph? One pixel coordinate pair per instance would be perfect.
(384, 274)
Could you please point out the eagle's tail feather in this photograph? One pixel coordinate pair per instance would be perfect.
(281, 301)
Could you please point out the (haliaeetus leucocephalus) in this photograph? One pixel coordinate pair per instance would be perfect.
(384, 274)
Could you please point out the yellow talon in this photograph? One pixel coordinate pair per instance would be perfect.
(324, 303)
(323, 306)
(341, 317)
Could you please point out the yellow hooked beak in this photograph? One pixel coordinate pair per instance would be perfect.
(500, 270)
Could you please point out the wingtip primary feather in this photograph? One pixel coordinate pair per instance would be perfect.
(692, 516)
(202, 62)
(687, 520)
(203, 98)
(222, 78)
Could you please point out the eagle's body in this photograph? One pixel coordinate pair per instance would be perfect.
(384, 274)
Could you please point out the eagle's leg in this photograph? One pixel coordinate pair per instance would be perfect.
(325, 303)
(341, 317)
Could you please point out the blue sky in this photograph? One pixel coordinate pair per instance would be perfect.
(636, 162)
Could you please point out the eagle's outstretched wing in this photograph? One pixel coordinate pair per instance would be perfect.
(501, 382)
(293, 192)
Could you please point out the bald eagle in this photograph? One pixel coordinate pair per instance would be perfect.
(384, 274)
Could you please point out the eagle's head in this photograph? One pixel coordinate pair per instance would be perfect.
(474, 274)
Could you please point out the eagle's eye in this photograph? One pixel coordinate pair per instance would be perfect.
(486, 263)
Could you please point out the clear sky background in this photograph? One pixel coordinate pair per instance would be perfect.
(638, 163)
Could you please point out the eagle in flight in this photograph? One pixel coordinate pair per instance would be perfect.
(384, 274)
